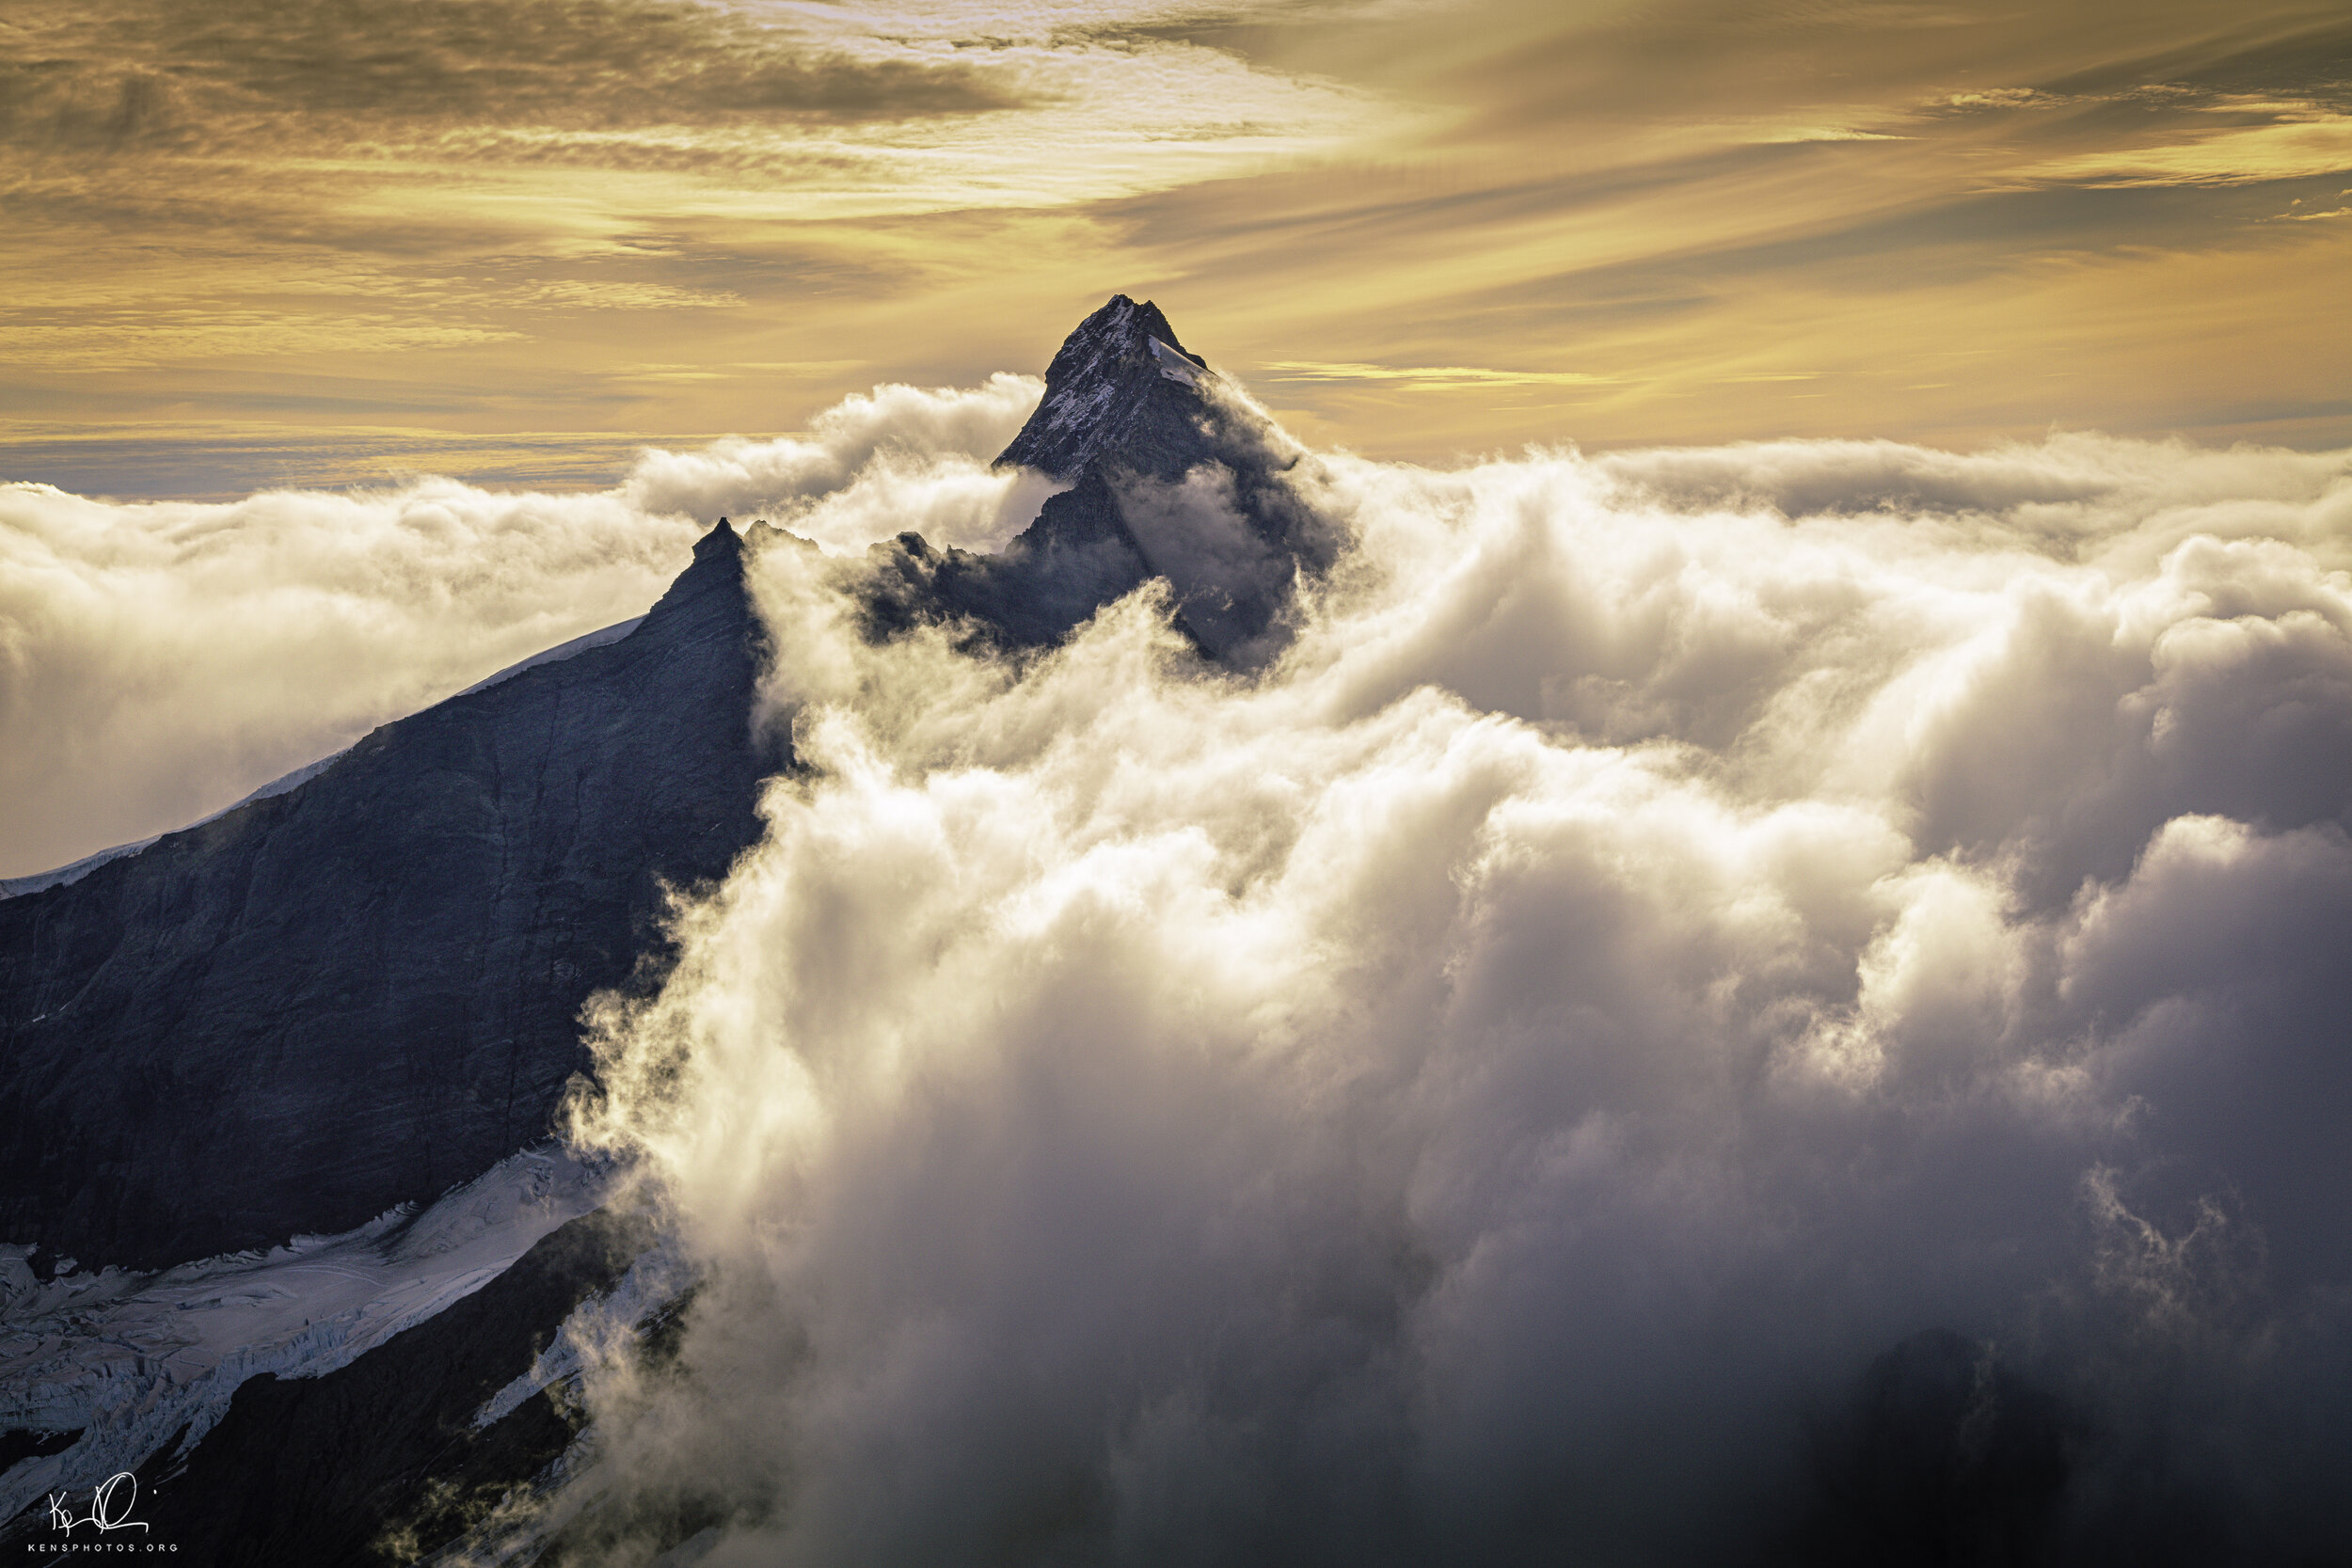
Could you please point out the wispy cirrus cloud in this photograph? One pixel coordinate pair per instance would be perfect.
(1663, 197)
(904, 109)
(2314, 143)
(325, 208)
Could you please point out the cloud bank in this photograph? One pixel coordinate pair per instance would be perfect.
(1697, 971)
(1778, 1003)
(158, 660)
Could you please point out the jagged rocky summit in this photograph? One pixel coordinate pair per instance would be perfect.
(1171, 474)
(1122, 390)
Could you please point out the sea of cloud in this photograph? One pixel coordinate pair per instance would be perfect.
(1522, 1072)
(1530, 1071)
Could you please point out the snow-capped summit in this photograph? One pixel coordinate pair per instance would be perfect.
(1122, 387)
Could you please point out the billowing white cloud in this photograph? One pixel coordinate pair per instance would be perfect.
(870, 466)
(1671, 927)
(1668, 927)
(159, 661)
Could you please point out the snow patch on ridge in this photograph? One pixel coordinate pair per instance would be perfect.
(601, 637)
(1174, 365)
(16, 886)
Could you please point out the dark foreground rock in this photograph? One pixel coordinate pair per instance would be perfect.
(364, 991)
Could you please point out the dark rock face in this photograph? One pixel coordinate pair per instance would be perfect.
(359, 992)
(1171, 478)
(22, 1443)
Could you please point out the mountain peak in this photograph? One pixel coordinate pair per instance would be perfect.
(1121, 387)
(722, 539)
(1171, 474)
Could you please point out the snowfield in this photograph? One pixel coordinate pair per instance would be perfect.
(129, 1360)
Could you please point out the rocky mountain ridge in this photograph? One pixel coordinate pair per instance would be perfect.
(323, 1008)
(361, 986)
(366, 989)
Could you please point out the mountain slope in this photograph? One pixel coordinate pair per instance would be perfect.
(365, 989)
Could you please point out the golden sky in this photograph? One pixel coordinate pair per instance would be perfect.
(1415, 228)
